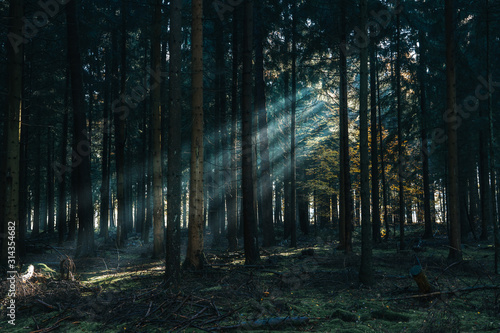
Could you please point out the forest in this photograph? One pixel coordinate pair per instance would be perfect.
(249, 165)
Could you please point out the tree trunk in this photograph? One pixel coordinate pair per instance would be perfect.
(61, 206)
(365, 270)
(158, 222)
(10, 168)
(428, 233)
(455, 252)
(232, 196)
(104, 204)
(85, 243)
(266, 189)
(373, 146)
(293, 170)
(249, 209)
(345, 225)
(174, 173)
(382, 160)
(50, 181)
(196, 221)
(401, 207)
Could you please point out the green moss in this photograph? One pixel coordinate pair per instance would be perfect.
(389, 315)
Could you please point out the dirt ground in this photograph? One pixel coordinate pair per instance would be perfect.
(311, 288)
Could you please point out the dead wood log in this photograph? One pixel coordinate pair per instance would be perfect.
(417, 273)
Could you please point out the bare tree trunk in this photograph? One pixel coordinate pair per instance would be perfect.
(365, 270)
(293, 169)
(249, 208)
(374, 145)
(85, 244)
(266, 190)
(345, 225)
(401, 207)
(10, 167)
(232, 196)
(104, 208)
(451, 99)
(158, 222)
(428, 233)
(50, 181)
(196, 214)
(174, 173)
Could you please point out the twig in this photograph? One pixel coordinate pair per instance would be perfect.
(45, 304)
(51, 328)
(149, 309)
(186, 325)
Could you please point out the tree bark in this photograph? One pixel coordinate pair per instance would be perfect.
(428, 233)
(345, 225)
(249, 207)
(266, 190)
(401, 206)
(365, 270)
(374, 145)
(196, 213)
(158, 222)
(232, 196)
(455, 252)
(10, 168)
(85, 243)
(174, 173)
(293, 169)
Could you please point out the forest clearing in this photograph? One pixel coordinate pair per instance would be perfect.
(312, 288)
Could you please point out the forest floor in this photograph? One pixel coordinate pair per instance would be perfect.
(311, 288)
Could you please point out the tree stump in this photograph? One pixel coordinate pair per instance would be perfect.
(420, 278)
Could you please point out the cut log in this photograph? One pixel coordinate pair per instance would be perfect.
(417, 273)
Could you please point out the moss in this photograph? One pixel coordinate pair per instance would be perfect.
(344, 315)
(389, 315)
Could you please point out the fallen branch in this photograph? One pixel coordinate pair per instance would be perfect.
(51, 328)
(51, 307)
(447, 292)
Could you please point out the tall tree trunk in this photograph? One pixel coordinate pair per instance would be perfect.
(50, 182)
(158, 222)
(174, 173)
(61, 205)
(365, 270)
(104, 204)
(423, 137)
(401, 207)
(491, 141)
(382, 160)
(266, 189)
(73, 204)
(10, 168)
(293, 170)
(249, 208)
(85, 243)
(196, 221)
(455, 252)
(36, 191)
(374, 146)
(345, 225)
(232, 196)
